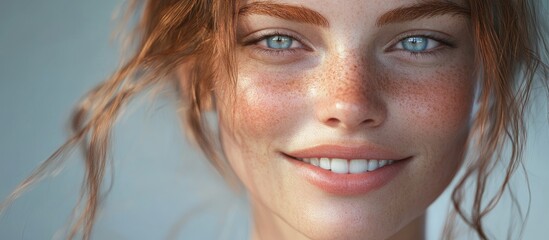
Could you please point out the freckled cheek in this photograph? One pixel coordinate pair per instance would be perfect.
(265, 105)
(440, 102)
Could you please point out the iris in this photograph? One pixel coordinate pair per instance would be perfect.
(279, 42)
(415, 44)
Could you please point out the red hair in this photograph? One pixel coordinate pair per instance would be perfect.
(188, 44)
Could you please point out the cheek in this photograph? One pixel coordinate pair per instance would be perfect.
(265, 109)
(430, 114)
(265, 106)
(433, 112)
(438, 102)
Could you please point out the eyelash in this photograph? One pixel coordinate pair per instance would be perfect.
(445, 42)
(272, 51)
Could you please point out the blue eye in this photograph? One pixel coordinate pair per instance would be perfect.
(279, 42)
(416, 44)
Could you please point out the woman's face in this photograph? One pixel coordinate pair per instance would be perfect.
(348, 119)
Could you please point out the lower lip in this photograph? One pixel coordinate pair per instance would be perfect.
(348, 184)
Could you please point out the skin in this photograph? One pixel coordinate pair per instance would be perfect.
(349, 83)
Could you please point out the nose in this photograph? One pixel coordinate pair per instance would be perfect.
(350, 96)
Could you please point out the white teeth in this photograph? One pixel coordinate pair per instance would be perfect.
(315, 162)
(339, 165)
(343, 166)
(325, 163)
(372, 165)
(383, 163)
(358, 166)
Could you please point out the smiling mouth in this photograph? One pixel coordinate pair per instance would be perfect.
(344, 170)
(346, 166)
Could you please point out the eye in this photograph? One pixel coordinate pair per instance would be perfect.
(275, 47)
(279, 42)
(418, 44)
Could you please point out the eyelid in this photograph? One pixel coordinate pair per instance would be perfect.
(252, 44)
(262, 35)
(440, 38)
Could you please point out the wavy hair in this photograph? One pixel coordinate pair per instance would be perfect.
(188, 44)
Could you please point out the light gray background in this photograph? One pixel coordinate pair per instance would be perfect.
(51, 53)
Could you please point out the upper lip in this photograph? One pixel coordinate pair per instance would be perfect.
(347, 152)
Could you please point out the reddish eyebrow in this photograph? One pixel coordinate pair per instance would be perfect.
(284, 11)
(422, 10)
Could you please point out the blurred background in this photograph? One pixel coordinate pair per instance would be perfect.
(52, 52)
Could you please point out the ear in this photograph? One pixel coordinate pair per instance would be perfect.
(186, 77)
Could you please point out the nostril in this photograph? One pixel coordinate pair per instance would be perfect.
(333, 122)
(369, 121)
(351, 118)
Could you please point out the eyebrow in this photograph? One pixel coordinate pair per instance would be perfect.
(285, 11)
(420, 10)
